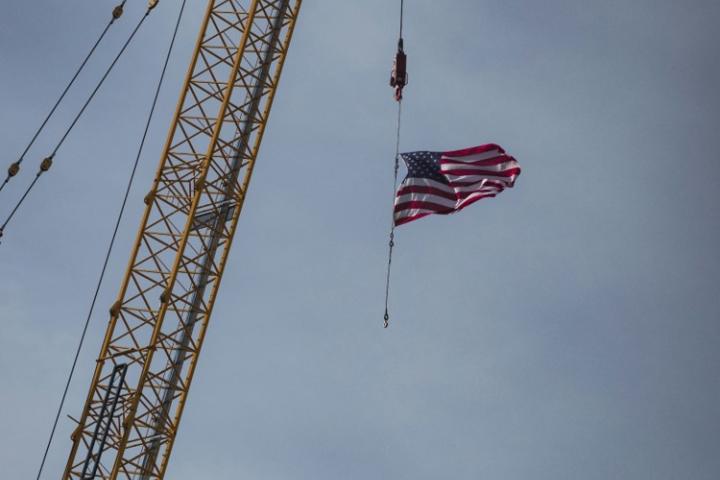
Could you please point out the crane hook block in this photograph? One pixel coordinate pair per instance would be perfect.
(399, 76)
(152, 4)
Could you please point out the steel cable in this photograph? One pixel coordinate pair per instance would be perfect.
(114, 237)
(47, 162)
(15, 167)
(391, 243)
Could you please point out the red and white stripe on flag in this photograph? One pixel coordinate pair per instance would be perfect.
(446, 182)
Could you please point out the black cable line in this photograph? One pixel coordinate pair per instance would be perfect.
(114, 236)
(391, 243)
(15, 167)
(77, 117)
(22, 199)
(102, 80)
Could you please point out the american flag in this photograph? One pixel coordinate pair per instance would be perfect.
(445, 182)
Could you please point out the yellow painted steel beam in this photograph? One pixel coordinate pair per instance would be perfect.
(155, 334)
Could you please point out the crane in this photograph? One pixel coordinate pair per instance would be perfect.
(155, 334)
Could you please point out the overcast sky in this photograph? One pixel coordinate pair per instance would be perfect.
(568, 329)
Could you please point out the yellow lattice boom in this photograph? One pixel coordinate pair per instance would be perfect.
(157, 326)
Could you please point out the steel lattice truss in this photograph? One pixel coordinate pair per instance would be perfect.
(157, 326)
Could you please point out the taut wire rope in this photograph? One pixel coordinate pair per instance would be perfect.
(14, 168)
(391, 243)
(113, 238)
(402, 11)
(47, 162)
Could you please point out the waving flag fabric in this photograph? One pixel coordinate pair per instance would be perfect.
(445, 182)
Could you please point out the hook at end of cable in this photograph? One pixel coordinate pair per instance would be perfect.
(387, 319)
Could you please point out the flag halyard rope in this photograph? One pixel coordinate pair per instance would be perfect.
(398, 81)
(113, 238)
(391, 243)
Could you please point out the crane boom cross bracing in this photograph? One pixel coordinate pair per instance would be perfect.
(157, 326)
